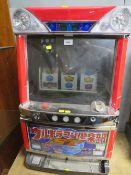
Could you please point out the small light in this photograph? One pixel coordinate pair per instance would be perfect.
(55, 118)
(77, 120)
(21, 20)
(66, 119)
(61, 110)
(120, 19)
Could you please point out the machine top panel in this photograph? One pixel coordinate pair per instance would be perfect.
(70, 13)
(91, 20)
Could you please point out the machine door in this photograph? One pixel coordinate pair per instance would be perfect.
(70, 70)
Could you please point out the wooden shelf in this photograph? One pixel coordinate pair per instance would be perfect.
(6, 32)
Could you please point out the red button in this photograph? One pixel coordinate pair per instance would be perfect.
(45, 105)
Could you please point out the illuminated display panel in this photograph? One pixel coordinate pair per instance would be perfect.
(75, 70)
(70, 26)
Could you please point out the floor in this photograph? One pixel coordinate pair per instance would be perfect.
(9, 149)
(120, 163)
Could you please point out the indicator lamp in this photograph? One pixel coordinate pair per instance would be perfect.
(48, 47)
(61, 110)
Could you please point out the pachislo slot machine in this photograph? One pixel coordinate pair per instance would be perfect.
(70, 70)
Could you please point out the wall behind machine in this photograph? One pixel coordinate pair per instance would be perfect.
(8, 75)
(25, 3)
(126, 101)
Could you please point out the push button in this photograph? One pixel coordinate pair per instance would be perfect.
(45, 106)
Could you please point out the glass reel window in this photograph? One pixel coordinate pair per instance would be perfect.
(75, 69)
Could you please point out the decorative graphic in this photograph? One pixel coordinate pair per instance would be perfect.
(67, 141)
(69, 81)
(89, 80)
(49, 79)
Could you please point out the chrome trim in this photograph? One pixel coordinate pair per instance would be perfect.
(28, 112)
(70, 21)
(79, 126)
(55, 155)
(106, 125)
(74, 33)
(58, 163)
(25, 118)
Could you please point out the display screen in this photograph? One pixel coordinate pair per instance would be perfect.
(73, 70)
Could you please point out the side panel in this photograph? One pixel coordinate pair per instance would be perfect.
(110, 144)
(70, 13)
(119, 72)
(21, 61)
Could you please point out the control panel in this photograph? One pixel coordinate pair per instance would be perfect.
(67, 119)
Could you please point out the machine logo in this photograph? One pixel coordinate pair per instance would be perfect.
(53, 133)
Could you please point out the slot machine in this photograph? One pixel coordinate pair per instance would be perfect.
(70, 71)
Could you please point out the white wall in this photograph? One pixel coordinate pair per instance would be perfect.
(126, 95)
(25, 3)
(128, 2)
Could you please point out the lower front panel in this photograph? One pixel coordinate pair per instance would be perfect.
(72, 143)
(67, 141)
(68, 149)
